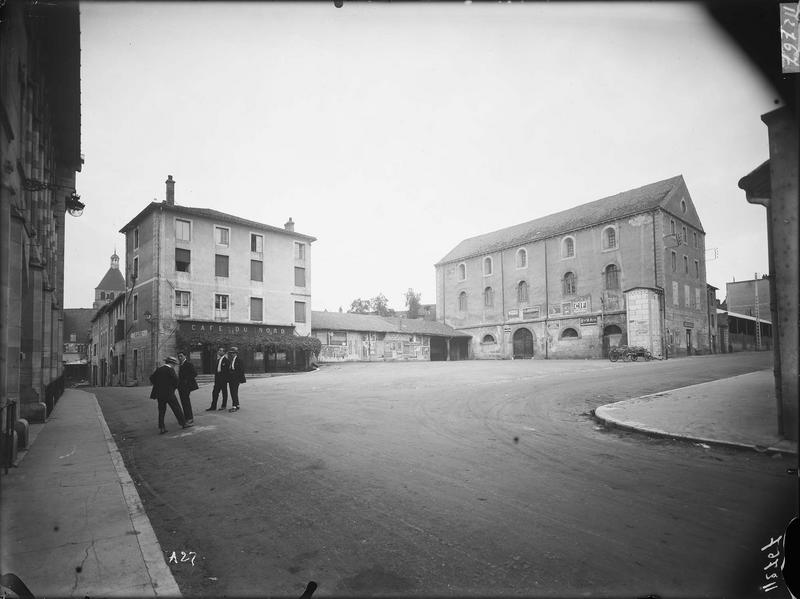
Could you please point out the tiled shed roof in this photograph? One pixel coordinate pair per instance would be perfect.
(370, 323)
(627, 203)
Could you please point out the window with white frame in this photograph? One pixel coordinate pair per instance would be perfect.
(522, 258)
(675, 294)
(182, 304)
(256, 243)
(698, 298)
(487, 266)
(222, 236)
(221, 306)
(221, 263)
(462, 301)
(183, 259)
(183, 230)
(299, 276)
(136, 238)
(697, 269)
(568, 247)
(256, 270)
(257, 309)
(299, 311)
(488, 297)
(672, 226)
(462, 272)
(687, 296)
(686, 265)
(522, 292)
(299, 251)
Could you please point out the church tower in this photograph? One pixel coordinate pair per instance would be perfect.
(111, 286)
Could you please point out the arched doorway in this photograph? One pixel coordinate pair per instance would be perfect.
(523, 344)
(612, 337)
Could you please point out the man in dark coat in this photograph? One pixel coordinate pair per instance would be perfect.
(165, 382)
(221, 367)
(235, 377)
(187, 382)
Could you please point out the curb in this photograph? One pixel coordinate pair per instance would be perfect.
(161, 578)
(654, 432)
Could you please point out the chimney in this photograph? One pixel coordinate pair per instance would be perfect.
(170, 191)
(289, 225)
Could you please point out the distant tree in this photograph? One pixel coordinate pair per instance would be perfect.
(380, 305)
(360, 306)
(413, 303)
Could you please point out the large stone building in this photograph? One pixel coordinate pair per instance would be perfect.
(111, 285)
(199, 279)
(626, 269)
(40, 148)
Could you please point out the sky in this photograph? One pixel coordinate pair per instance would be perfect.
(392, 131)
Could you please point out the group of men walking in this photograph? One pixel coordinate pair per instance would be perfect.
(166, 379)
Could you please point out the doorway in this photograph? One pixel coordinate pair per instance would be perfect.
(523, 344)
(612, 337)
(688, 342)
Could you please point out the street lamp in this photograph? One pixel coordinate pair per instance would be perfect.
(72, 204)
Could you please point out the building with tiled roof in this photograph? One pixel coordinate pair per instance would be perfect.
(203, 279)
(347, 336)
(625, 269)
(111, 285)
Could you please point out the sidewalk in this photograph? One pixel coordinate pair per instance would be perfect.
(740, 411)
(71, 520)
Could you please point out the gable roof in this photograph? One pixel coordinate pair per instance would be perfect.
(112, 281)
(370, 323)
(209, 214)
(621, 205)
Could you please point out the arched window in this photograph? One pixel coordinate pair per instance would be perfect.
(672, 227)
(569, 334)
(488, 339)
(462, 272)
(110, 295)
(609, 238)
(522, 292)
(569, 283)
(522, 258)
(568, 247)
(462, 301)
(488, 297)
(612, 276)
(683, 206)
(102, 295)
(487, 266)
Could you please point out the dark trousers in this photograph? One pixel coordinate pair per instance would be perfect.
(186, 404)
(176, 409)
(220, 384)
(234, 393)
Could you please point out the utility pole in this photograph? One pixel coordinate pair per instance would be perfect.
(758, 320)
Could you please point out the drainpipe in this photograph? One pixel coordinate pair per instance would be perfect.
(546, 307)
(662, 307)
(503, 294)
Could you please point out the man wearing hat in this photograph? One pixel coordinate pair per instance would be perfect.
(222, 365)
(235, 377)
(165, 382)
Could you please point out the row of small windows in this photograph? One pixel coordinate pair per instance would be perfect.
(609, 237)
(674, 264)
(569, 286)
(183, 303)
(183, 261)
(222, 237)
(683, 238)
